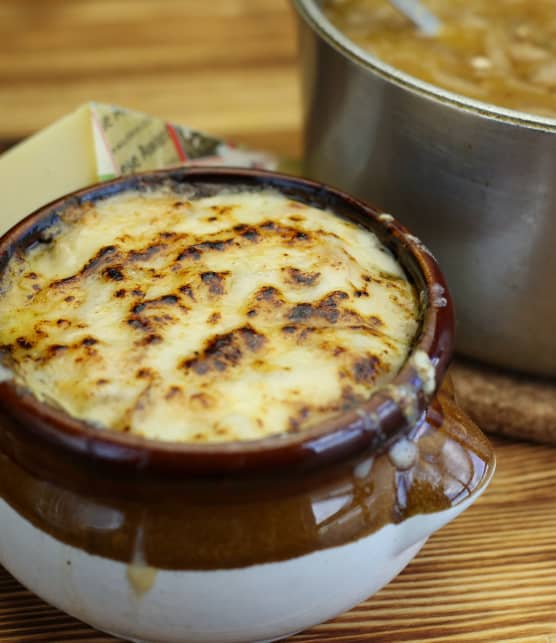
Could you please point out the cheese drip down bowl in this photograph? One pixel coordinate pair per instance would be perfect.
(474, 180)
(228, 537)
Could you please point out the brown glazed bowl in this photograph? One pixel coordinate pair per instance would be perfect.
(235, 542)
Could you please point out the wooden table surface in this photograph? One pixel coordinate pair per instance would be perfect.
(229, 67)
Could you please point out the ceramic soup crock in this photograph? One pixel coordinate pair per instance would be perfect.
(236, 542)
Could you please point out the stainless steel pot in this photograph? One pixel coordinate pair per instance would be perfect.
(476, 182)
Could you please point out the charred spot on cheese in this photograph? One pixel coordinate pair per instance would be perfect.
(269, 293)
(172, 392)
(225, 351)
(196, 251)
(24, 343)
(295, 276)
(148, 340)
(214, 318)
(247, 232)
(215, 281)
(154, 303)
(144, 254)
(202, 314)
(365, 368)
(114, 273)
(55, 349)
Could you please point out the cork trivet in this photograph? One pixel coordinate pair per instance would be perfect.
(507, 403)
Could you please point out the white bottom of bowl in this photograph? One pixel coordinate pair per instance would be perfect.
(258, 603)
(279, 638)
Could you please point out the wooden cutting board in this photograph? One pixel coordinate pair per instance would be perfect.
(510, 404)
(488, 576)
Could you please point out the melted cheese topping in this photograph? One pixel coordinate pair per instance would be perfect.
(227, 317)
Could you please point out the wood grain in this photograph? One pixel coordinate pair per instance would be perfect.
(228, 66)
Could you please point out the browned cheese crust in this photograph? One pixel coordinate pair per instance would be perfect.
(227, 317)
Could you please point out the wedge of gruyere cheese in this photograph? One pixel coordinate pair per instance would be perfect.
(98, 142)
(55, 161)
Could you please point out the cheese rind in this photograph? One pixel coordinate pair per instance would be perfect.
(218, 318)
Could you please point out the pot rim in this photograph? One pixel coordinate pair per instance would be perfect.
(389, 412)
(310, 11)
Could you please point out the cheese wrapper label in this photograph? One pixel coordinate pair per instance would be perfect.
(99, 142)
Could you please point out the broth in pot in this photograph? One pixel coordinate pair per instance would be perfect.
(501, 52)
